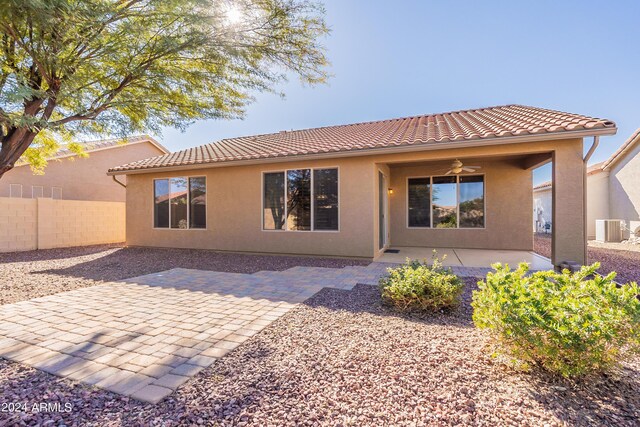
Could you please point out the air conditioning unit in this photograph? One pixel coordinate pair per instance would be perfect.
(608, 230)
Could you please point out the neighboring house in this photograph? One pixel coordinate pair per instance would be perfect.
(542, 208)
(354, 190)
(613, 190)
(70, 177)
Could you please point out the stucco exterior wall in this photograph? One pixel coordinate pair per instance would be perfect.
(597, 201)
(508, 211)
(234, 214)
(27, 224)
(234, 204)
(80, 178)
(569, 222)
(624, 187)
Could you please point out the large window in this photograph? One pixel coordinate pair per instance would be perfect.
(471, 202)
(446, 202)
(419, 202)
(180, 203)
(325, 199)
(273, 201)
(301, 200)
(197, 202)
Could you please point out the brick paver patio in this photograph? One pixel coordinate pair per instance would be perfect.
(147, 336)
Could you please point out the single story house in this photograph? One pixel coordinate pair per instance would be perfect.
(613, 191)
(70, 177)
(452, 180)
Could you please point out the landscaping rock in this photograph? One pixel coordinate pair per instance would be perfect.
(345, 359)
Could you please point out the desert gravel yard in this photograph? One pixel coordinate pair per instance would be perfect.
(344, 359)
(27, 275)
(625, 262)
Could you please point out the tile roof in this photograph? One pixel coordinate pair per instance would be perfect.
(427, 130)
(542, 186)
(90, 146)
(624, 148)
(594, 169)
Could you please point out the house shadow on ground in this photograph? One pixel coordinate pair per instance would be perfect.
(56, 254)
(127, 262)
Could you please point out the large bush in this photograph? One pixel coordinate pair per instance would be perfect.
(419, 287)
(567, 323)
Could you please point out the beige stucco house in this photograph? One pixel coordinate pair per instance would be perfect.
(613, 191)
(453, 180)
(70, 177)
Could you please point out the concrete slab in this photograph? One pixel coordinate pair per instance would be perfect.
(420, 253)
(484, 258)
(467, 258)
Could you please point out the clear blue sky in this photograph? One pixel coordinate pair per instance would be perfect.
(400, 58)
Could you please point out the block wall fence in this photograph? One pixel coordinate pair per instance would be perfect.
(28, 224)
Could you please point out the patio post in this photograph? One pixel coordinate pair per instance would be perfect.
(568, 234)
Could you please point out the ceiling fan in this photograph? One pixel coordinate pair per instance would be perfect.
(457, 167)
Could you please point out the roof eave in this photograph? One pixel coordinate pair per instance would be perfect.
(618, 155)
(480, 142)
(143, 138)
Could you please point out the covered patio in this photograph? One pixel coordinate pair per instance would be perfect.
(475, 258)
(475, 205)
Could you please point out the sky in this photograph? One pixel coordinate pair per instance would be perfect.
(402, 58)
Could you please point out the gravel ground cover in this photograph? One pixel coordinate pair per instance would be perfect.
(26, 275)
(625, 262)
(344, 359)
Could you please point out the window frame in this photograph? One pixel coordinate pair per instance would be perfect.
(313, 201)
(430, 202)
(431, 227)
(33, 190)
(206, 204)
(11, 187)
(59, 188)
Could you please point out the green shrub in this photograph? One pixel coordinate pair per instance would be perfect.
(419, 287)
(566, 323)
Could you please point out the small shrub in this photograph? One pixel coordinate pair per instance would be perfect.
(567, 323)
(419, 287)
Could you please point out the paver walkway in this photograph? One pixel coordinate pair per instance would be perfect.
(146, 336)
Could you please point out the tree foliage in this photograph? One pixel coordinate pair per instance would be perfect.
(94, 67)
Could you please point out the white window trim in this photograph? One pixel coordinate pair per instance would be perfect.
(54, 188)
(286, 228)
(431, 227)
(206, 204)
(11, 187)
(33, 188)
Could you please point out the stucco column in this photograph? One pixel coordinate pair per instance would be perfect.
(569, 240)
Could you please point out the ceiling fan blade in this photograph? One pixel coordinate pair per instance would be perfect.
(468, 169)
(449, 172)
(475, 167)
